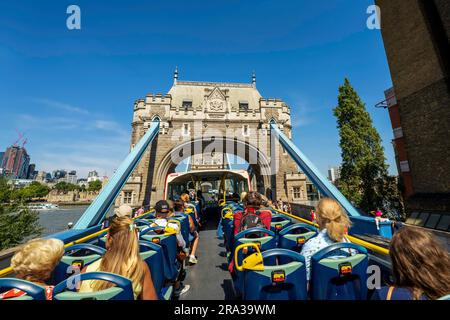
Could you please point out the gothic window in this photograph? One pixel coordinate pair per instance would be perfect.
(187, 105)
(243, 106)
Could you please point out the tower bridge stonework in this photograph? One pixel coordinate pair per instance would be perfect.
(209, 117)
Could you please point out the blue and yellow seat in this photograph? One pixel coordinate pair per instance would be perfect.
(122, 289)
(265, 239)
(294, 236)
(265, 279)
(168, 243)
(339, 272)
(75, 257)
(153, 255)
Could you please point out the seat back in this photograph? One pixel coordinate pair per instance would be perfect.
(278, 223)
(33, 291)
(153, 255)
(184, 222)
(74, 258)
(122, 289)
(294, 236)
(286, 281)
(266, 242)
(339, 272)
(168, 242)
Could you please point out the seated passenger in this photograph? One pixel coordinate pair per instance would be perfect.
(179, 206)
(162, 215)
(123, 211)
(333, 225)
(253, 216)
(187, 204)
(421, 267)
(122, 258)
(35, 262)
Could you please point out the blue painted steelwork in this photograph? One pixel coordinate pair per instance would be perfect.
(96, 212)
(325, 187)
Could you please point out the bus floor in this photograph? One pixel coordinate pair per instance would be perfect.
(209, 278)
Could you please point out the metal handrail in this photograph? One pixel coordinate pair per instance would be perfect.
(353, 239)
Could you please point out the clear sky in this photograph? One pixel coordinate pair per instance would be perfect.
(72, 91)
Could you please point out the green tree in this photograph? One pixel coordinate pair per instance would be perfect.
(364, 173)
(17, 222)
(65, 186)
(95, 185)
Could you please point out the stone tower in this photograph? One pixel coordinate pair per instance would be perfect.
(204, 117)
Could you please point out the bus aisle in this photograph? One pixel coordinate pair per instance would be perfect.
(209, 278)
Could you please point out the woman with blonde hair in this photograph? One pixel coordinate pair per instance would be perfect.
(122, 258)
(35, 262)
(421, 267)
(333, 225)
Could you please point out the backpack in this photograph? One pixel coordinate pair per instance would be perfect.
(251, 220)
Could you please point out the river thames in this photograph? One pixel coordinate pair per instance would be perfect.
(56, 220)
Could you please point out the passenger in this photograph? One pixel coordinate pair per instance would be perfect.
(187, 204)
(253, 215)
(333, 225)
(122, 258)
(35, 262)
(163, 213)
(421, 267)
(179, 206)
(140, 211)
(243, 197)
(122, 211)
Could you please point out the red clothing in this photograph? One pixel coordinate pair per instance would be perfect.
(15, 293)
(265, 216)
(266, 219)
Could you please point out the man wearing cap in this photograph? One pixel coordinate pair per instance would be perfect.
(163, 213)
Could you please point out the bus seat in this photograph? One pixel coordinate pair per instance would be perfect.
(123, 289)
(265, 242)
(168, 242)
(278, 223)
(286, 281)
(338, 275)
(294, 236)
(33, 291)
(142, 223)
(75, 257)
(153, 255)
(184, 221)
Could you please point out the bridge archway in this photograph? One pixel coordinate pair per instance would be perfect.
(257, 160)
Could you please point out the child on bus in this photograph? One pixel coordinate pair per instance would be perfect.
(122, 258)
(333, 225)
(421, 267)
(35, 262)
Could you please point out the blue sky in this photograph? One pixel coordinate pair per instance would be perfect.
(72, 91)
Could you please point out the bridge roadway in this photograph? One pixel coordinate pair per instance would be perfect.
(209, 278)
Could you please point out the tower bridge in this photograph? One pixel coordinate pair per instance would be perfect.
(204, 117)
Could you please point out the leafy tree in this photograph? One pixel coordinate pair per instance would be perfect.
(17, 222)
(364, 174)
(95, 185)
(65, 186)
